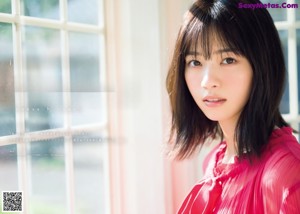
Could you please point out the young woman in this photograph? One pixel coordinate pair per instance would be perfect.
(225, 82)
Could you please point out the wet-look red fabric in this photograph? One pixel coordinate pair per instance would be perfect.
(270, 184)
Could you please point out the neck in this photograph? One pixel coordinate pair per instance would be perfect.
(228, 130)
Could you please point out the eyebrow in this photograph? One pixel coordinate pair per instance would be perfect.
(220, 51)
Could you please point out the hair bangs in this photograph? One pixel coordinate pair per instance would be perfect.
(203, 31)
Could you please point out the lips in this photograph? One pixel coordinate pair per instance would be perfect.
(212, 101)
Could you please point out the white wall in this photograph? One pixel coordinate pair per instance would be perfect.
(140, 37)
(138, 92)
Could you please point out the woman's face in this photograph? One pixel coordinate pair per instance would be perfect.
(220, 85)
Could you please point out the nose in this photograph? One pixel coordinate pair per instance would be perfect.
(210, 77)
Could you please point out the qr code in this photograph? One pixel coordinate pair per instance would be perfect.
(12, 202)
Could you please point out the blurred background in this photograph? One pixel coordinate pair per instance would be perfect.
(84, 114)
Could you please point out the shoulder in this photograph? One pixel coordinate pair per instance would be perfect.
(281, 167)
(282, 162)
(283, 150)
(282, 155)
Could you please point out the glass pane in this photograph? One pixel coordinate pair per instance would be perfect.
(278, 14)
(5, 6)
(48, 182)
(7, 95)
(88, 102)
(89, 174)
(298, 69)
(9, 169)
(297, 10)
(44, 108)
(285, 101)
(85, 11)
(41, 8)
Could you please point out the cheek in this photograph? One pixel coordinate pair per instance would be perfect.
(194, 87)
(240, 77)
(241, 85)
(246, 81)
(192, 83)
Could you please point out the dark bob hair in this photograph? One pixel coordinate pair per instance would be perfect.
(251, 34)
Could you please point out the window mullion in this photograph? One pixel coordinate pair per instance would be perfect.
(19, 105)
(23, 137)
(292, 61)
(68, 144)
(105, 90)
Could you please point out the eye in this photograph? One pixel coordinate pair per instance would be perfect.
(194, 63)
(228, 60)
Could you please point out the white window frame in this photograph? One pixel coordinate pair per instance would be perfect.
(21, 138)
(291, 25)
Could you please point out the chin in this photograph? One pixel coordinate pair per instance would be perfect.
(215, 117)
(212, 118)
